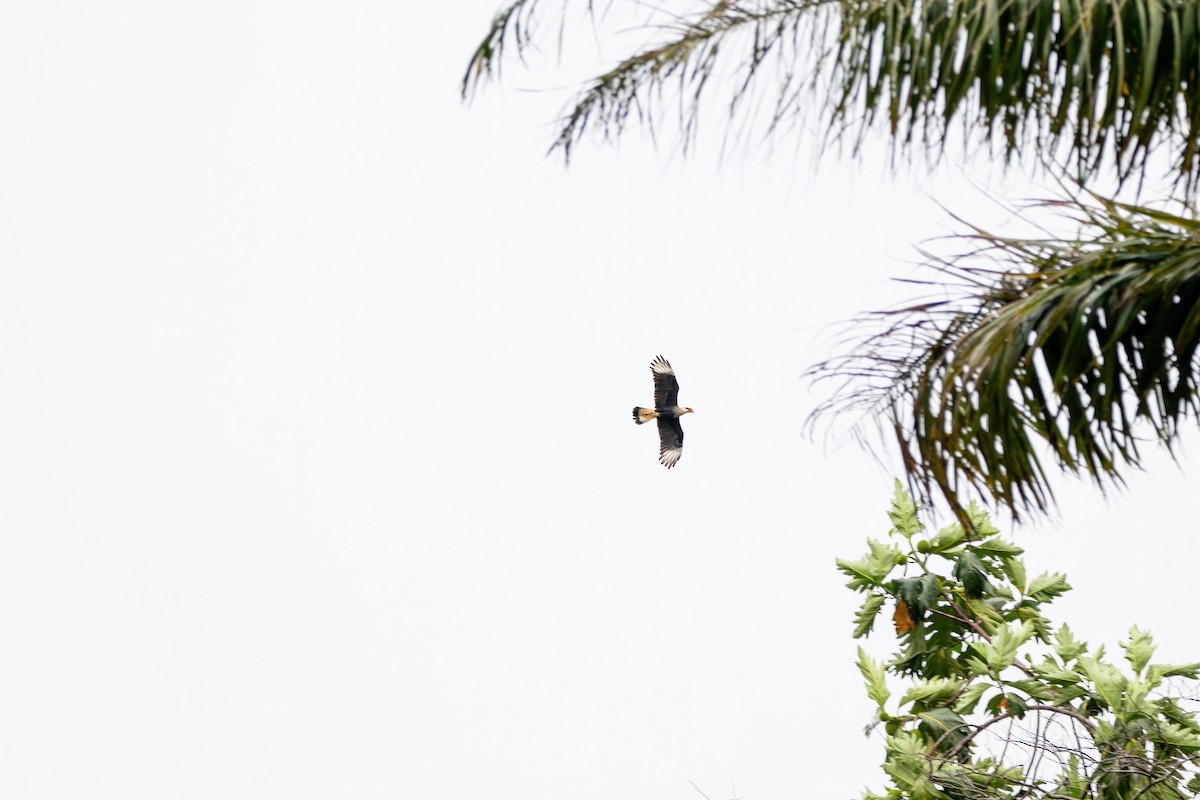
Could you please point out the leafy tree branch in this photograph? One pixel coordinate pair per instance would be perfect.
(979, 722)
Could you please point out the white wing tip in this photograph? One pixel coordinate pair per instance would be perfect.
(661, 366)
(669, 456)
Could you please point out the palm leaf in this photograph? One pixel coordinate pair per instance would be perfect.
(1100, 83)
(1068, 350)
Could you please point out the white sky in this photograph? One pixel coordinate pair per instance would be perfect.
(317, 477)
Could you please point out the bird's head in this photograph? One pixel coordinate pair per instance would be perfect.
(688, 411)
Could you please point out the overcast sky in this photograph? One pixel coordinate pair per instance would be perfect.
(317, 476)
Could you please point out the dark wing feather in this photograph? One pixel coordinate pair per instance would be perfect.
(666, 387)
(670, 441)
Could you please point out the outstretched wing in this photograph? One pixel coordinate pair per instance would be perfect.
(670, 441)
(666, 387)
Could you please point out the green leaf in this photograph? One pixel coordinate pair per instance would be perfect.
(985, 614)
(1069, 693)
(1159, 671)
(996, 546)
(1017, 705)
(1138, 649)
(1174, 735)
(1014, 569)
(906, 760)
(1135, 697)
(997, 705)
(1003, 649)
(920, 594)
(981, 523)
(932, 692)
(1035, 689)
(1067, 646)
(947, 539)
(872, 672)
(1050, 671)
(976, 667)
(913, 659)
(970, 570)
(1108, 680)
(943, 726)
(967, 701)
(1170, 709)
(1001, 592)
(985, 778)
(864, 620)
(1105, 734)
(1047, 586)
(929, 591)
(903, 513)
(908, 590)
(1041, 625)
(870, 570)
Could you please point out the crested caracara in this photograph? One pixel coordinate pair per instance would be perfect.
(667, 411)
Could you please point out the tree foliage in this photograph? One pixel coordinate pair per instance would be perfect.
(1071, 349)
(1106, 81)
(992, 700)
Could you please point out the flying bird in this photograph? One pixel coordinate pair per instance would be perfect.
(667, 411)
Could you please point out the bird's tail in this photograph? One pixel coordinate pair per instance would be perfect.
(641, 415)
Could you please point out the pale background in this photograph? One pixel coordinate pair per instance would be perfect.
(317, 477)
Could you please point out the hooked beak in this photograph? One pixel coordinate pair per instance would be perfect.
(691, 411)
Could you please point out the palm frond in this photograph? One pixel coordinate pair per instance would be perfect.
(1068, 349)
(513, 24)
(1099, 82)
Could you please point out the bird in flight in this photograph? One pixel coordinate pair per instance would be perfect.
(667, 411)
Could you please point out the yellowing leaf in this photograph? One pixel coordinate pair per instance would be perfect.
(904, 622)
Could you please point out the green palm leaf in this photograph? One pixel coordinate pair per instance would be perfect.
(1069, 350)
(1102, 82)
